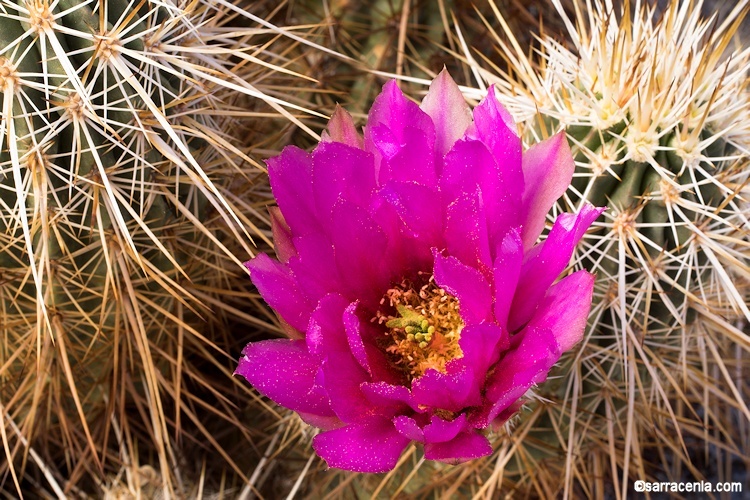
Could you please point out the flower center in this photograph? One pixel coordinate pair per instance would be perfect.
(425, 329)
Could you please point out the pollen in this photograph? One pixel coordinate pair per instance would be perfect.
(423, 327)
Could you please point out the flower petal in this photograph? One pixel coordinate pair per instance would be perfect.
(408, 158)
(419, 209)
(290, 175)
(494, 126)
(341, 172)
(282, 235)
(325, 423)
(466, 284)
(284, 371)
(445, 104)
(408, 427)
(314, 267)
(342, 374)
(440, 431)
(466, 446)
(341, 129)
(354, 337)
(394, 112)
(325, 329)
(469, 168)
(447, 391)
(546, 261)
(506, 271)
(482, 345)
(461, 386)
(547, 169)
(523, 367)
(465, 234)
(384, 394)
(372, 447)
(362, 340)
(565, 308)
(278, 287)
(359, 248)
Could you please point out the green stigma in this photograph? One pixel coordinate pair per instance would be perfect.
(425, 329)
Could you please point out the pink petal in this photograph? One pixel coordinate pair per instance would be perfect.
(565, 308)
(446, 106)
(324, 423)
(523, 367)
(383, 394)
(547, 168)
(460, 387)
(405, 158)
(546, 261)
(440, 431)
(314, 267)
(494, 126)
(282, 235)
(466, 446)
(342, 374)
(378, 365)
(506, 271)
(408, 427)
(325, 332)
(341, 172)
(395, 112)
(341, 129)
(342, 379)
(482, 345)
(278, 287)
(465, 233)
(446, 391)
(505, 415)
(290, 175)
(466, 284)
(470, 167)
(419, 209)
(354, 337)
(372, 447)
(359, 248)
(284, 371)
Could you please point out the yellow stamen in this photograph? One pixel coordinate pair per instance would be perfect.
(424, 327)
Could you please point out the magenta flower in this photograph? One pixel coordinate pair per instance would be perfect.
(408, 275)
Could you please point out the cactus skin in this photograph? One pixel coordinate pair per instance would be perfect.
(117, 163)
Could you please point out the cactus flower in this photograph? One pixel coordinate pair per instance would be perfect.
(419, 304)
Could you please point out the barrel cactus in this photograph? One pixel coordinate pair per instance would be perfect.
(655, 103)
(120, 160)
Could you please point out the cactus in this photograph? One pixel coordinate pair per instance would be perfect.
(121, 225)
(655, 104)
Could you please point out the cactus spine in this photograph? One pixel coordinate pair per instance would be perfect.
(119, 154)
(655, 104)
